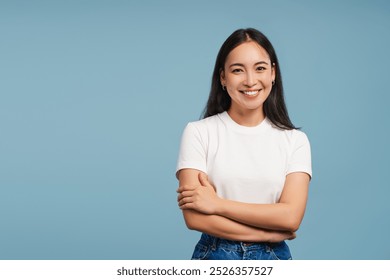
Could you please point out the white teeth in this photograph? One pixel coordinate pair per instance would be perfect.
(251, 92)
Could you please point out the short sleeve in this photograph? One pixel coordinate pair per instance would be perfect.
(300, 157)
(192, 153)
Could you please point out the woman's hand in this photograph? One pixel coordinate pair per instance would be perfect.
(277, 236)
(201, 198)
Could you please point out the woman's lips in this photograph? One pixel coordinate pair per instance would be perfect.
(250, 92)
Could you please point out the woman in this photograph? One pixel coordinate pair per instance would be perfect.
(244, 169)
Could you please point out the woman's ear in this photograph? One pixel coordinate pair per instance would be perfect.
(273, 73)
(222, 77)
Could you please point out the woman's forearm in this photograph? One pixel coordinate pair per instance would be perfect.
(228, 229)
(271, 216)
(285, 215)
(239, 226)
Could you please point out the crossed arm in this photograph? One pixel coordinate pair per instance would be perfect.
(203, 210)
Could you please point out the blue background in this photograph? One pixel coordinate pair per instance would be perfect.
(94, 96)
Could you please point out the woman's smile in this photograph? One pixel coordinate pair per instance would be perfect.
(251, 93)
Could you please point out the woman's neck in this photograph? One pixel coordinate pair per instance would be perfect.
(247, 117)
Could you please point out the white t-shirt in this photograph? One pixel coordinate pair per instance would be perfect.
(247, 164)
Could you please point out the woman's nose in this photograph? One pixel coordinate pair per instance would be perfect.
(250, 79)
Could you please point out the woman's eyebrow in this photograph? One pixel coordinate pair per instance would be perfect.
(242, 65)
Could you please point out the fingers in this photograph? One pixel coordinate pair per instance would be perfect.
(277, 236)
(186, 188)
(292, 236)
(184, 194)
(203, 179)
(187, 206)
(185, 197)
(185, 200)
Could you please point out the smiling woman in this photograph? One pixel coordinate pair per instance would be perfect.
(244, 170)
(248, 77)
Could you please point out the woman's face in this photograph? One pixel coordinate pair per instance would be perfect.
(248, 76)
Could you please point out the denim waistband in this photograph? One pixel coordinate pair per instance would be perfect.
(239, 246)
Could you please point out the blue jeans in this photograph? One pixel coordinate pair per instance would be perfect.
(213, 248)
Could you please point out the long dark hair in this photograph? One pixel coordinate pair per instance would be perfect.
(219, 101)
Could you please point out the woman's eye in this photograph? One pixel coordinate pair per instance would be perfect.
(236, 70)
(260, 68)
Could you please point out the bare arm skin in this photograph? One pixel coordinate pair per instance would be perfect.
(224, 227)
(285, 215)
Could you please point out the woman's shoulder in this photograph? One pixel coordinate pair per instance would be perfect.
(202, 130)
(296, 133)
(206, 123)
(291, 135)
(298, 138)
